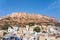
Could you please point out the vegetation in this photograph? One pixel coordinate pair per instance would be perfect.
(36, 29)
(38, 23)
(57, 24)
(31, 23)
(8, 18)
(5, 27)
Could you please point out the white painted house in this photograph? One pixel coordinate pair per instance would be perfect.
(10, 30)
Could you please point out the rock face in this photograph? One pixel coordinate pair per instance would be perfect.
(22, 17)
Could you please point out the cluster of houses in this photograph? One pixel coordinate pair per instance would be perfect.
(28, 30)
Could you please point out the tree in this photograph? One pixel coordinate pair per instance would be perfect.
(31, 23)
(8, 18)
(36, 29)
(5, 27)
(57, 24)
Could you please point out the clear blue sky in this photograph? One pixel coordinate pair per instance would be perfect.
(45, 7)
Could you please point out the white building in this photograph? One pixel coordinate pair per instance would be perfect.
(15, 28)
(10, 30)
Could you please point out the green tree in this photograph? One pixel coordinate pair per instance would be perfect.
(36, 29)
(8, 18)
(31, 23)
(5, 27)
(57, 24)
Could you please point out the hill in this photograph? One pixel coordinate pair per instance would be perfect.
(20, 18)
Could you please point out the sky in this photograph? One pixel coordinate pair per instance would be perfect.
(46, 7)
